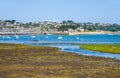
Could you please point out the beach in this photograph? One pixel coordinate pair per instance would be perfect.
(59, 33)
(84, 33)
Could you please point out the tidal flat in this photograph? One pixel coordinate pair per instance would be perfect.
(24, 61)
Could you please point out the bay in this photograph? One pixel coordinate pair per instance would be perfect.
(65, 42)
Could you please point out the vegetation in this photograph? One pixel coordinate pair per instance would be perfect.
(69, 24)
(66, 27)
(23, 61)
(109, 48)
(62, 26)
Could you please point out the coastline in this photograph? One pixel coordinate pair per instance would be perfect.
(94, 33)
(58, 33)
(20, 33)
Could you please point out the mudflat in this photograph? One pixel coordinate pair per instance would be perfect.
(23, 61)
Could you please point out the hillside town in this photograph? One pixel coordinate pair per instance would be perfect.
(43, 27)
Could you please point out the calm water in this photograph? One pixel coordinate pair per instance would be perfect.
(64, 42)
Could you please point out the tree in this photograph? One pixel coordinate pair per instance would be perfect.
(66, 27)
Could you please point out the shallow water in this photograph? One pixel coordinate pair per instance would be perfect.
(65, 38)
(64, 42)
(78, 50)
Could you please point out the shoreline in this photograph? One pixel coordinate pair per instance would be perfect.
(18, 33)
(58, 33)
(93, 33)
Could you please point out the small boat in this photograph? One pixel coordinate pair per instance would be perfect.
(8, 37)
(16, 36)
(77, 38)
(60, 37)
(33, 36)
(48, 34)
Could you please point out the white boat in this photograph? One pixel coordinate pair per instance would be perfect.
(16, 36)
(48, 34)
(33, 36)
(60, 37)
(77, 38)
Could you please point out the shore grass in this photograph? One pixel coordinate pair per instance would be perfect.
(108, 48)
(23, 61)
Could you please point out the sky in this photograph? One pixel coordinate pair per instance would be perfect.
(104, 11)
